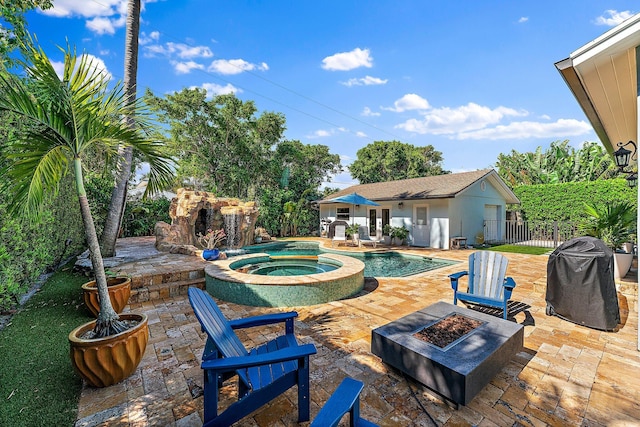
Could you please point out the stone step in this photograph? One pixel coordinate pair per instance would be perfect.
(164, 290)
(157, 277)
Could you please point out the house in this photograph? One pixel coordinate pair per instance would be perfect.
(604, 77)
(434, 209)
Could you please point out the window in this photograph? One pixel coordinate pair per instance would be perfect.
(343, 213)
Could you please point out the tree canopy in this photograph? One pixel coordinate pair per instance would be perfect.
(224, 146)
(13, 27)
(384, 161)
(558, 164)
(220, 144)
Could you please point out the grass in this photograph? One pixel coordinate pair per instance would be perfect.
(528, 250)
(37, 383)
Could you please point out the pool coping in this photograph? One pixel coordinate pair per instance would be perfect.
(221, 269)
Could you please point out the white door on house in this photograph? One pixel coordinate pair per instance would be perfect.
(420, 232)
(492, 223)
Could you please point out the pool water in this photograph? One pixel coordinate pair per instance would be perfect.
(292, 267)
(385, 264)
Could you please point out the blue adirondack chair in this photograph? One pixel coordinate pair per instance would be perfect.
(487, 283)
(345, 399)
(264, 372)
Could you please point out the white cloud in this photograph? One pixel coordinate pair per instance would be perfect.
(98, 65)
(59, 68)
(145, 38)
(368, 113)
(86, 9)
(320, 133)
(523, 19)
(102, 25)
(235, 66)
(360, 134)
(186, 67)
(611, 18)
(452, 121)
(345, 61)
(477, 122)
(185, 51)
(410, 101)
(180, 50)
(526, 129)
(103, 17)
(365, 81)
(215, 89)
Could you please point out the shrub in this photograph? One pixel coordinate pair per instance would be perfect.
(29, 248)
(141, 216)
(565, 202)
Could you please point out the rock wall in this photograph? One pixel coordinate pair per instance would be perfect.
(193, 212)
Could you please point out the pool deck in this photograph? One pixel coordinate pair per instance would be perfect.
(565, 375)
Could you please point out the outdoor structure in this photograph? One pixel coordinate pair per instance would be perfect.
(461, 369)
(603, 76)
(194, 213)
(434, 209)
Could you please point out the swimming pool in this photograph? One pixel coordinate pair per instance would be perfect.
(376, 264)
(285, 266)
(227, 280)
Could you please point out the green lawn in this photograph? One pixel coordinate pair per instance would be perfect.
(37, 383)
(529, 250)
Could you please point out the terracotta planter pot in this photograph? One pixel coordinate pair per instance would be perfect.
(106, 361)
(119, 292)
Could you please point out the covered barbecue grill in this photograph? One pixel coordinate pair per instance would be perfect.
(580, 284)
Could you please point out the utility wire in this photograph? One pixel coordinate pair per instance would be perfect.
(278, 85)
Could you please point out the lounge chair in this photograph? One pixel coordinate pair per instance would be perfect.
(264, 373)
(339, 235)
(365, 239)
(487, 283)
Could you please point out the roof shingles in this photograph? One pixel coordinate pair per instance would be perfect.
(430, 187)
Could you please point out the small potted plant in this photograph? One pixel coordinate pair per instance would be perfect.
(353, 232)
(614, 224)
(386, 234)
(209, 241)
(398, 235)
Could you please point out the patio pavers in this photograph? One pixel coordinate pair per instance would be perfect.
(566, 374)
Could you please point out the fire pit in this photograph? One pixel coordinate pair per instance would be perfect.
(456, 365)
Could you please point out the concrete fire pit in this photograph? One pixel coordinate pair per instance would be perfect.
(458, 371)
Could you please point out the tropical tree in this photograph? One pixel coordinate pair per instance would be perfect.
(13, 26)
(64, 119)
(221, 144)
(557, 164)
(119, 194)
(384, 161)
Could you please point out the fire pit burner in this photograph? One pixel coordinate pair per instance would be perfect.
(448, 330)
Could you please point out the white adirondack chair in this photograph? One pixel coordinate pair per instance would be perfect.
(487, 283)
(339, 235)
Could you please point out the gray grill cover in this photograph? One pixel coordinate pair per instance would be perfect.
(580, 284)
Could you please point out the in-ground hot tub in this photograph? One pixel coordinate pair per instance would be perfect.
(228, 281)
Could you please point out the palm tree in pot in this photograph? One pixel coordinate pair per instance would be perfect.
(613, 223)
(62, 120)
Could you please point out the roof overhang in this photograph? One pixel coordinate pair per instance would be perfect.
(603, 77)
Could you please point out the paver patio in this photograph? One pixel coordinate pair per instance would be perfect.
(566, 374)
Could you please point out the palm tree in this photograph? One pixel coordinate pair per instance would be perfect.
(64, 119)
(118, 196)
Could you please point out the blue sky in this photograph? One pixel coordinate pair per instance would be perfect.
(472, 78)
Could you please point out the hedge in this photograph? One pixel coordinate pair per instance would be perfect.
(565, 202)
(30, 248)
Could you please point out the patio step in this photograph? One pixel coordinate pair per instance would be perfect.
(154, 287)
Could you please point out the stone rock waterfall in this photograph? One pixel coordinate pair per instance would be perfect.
(196, 212)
